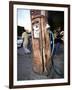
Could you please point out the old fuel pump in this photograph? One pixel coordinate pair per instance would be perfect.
(40, 42)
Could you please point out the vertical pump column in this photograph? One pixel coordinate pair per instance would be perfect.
(40, 42)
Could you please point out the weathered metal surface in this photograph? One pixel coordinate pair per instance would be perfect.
(41, 45)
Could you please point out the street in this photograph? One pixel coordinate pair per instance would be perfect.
(25, 71)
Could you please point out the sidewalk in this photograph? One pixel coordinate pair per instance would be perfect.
(25, 71)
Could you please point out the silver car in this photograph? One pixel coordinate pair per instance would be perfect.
(19, 41)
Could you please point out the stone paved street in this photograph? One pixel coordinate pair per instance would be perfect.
(24, 66)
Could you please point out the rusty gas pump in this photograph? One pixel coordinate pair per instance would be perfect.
(40, 43)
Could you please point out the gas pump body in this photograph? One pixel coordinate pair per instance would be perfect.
(41, 46)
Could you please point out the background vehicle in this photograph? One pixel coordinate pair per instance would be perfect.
(19, 41)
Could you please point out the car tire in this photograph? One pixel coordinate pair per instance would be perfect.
(22, 45)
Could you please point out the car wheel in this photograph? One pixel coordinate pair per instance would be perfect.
(22, 45)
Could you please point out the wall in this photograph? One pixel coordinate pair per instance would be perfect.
(4, 45)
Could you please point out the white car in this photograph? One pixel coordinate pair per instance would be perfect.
(19, 41)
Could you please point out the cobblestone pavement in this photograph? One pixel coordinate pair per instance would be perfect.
(24, 66)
